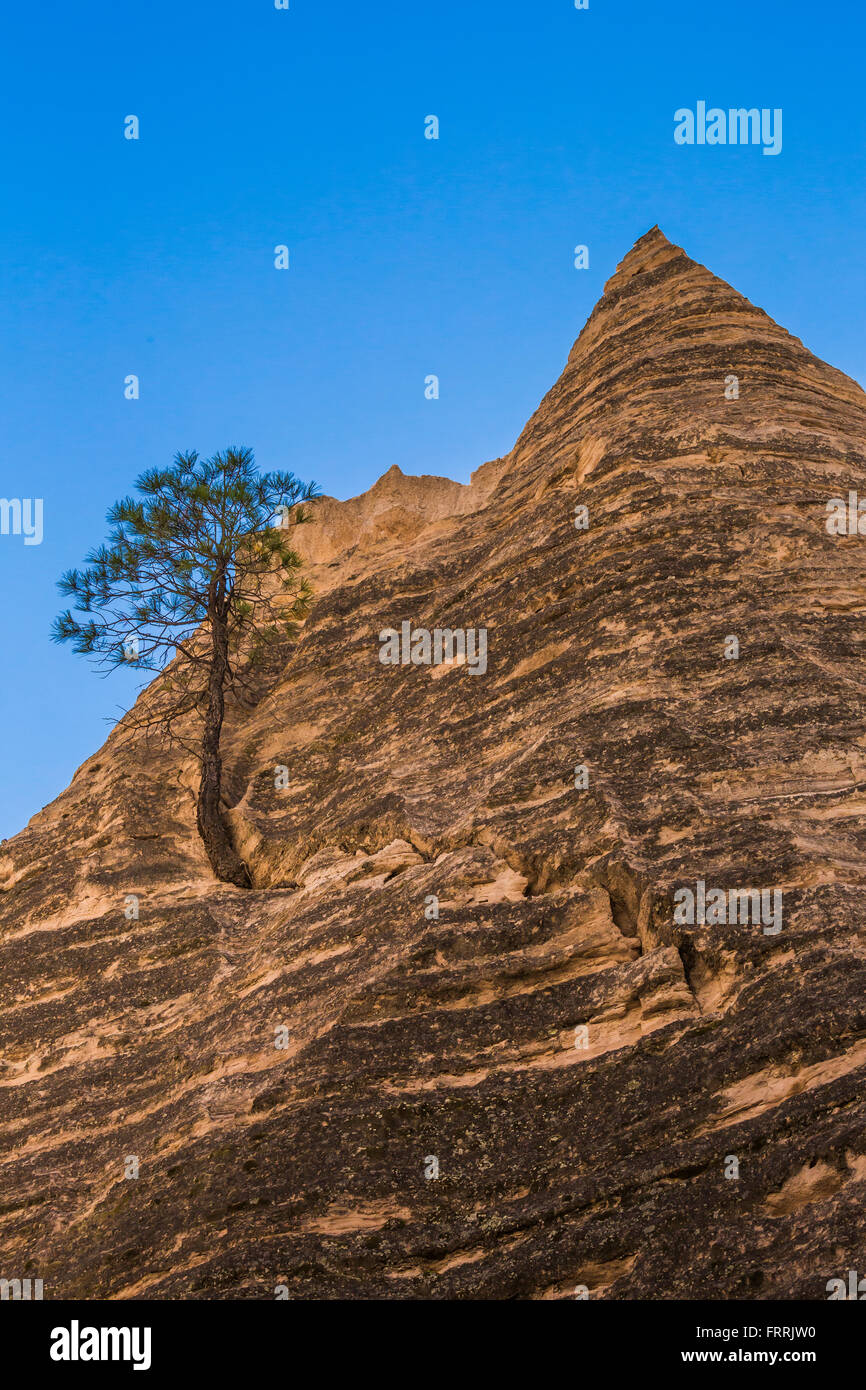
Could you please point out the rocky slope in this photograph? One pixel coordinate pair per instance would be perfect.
(588, 1072)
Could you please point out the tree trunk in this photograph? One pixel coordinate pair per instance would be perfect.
(225, 860)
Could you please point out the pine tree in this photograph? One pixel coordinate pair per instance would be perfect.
(197, 582)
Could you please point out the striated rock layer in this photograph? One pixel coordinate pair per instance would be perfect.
(703, 1049)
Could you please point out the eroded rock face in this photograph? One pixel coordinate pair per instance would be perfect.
(586, 1070)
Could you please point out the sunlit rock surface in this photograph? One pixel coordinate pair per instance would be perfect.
(701, 1048)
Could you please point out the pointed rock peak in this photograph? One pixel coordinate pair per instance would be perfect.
(650, 252)
(388, 481)
(635, 290)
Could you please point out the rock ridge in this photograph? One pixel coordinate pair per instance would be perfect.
(463, 944)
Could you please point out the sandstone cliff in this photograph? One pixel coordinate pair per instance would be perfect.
(702, 1050)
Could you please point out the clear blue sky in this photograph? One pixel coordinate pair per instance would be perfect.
(408, 256)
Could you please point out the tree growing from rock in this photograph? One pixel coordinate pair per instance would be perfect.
(198, 582)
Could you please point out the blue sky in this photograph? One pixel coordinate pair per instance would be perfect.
(408, 256)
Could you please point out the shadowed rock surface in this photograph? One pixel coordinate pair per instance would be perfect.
(410, 1038)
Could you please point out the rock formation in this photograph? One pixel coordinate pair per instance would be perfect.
(557, 1083)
